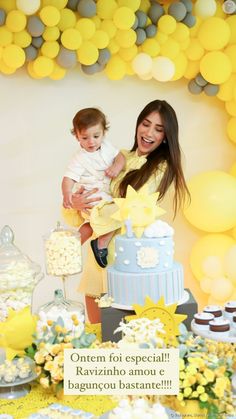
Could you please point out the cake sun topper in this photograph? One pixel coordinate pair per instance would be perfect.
(139, 208)
(166, 314)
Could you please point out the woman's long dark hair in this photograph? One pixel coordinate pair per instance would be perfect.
(168, 151)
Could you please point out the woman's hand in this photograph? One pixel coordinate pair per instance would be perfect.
(82, 201)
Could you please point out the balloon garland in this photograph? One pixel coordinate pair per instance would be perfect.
(165, 40)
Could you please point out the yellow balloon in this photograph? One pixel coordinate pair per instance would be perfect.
(233, 170)
(181, 32)
(58, 72)
(208, 245)
(127, 54)
(230, 51)
(170, 49)
(180, 63)
(226, 89)
(222, 288)
(212, 267)
(100, 39)
(109, 27)
(144, 5)
(192, 69)
(51, 34)
(216, 67)
(50, 49)
(31, 71)
(125, 38)
(22, 39)
(8, 5)
(184, 45)
(195, 50)
(50, 15)
(113, 47)
(13, 56)
(132, 4)
(115, 68)
(97, 21)
(231, 21)
(213, 201)
(5, 69)
(6, 36)
(151, 47)
(194, 30)
(43, 66)
(59, 4)
(87, 53)
(67, 19)
(124, 18)
(231, 130)
(206, 284)
(16, 21)
(230, 107)
(161, 37)
(86, 28)
(167, 24)
(71, 39)
(214, 33)
(106, 8)
(230, 263)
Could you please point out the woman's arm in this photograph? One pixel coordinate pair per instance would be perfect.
(82, 201)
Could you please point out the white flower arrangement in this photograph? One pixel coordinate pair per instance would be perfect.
(142, 331)
(147, 257)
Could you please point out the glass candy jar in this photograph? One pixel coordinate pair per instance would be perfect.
(68, 315)
(63, 252)
(18, 275)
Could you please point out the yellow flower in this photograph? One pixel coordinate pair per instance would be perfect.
(200, 389)
(180, 397)
(209, 374)
(48, 366)
(181, 364)
(219, 372)
(39, 358)
(182, 375)
(187, 391)
(192, 380)
(203, 397)
(203, 381)
(191, 369)
(44, 381)
(194, 395)
(58, 328)
(55, 349)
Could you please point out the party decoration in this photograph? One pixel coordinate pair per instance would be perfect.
(163, 68)
(142, 63)
(28, 7)
(71, 39)
(87, 8)
(50, 15)
(208, 30)
(177, 10)
(35, 26)
(213, 201)
(124, 18)
(13, 56)
(216, 67)
(230, 263)
(66, 58)
(205, 8)
(2, 17)
(231, 129)
(213, 246)
(43, 66)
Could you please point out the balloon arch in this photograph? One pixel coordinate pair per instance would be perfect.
(164, 40)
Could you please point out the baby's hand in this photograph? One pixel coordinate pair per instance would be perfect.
(113, 171)
(67, 200)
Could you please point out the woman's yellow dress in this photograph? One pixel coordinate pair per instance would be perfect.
(94, 279)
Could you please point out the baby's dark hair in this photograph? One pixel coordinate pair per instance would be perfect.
(87, 118)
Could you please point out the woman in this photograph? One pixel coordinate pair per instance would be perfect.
(155, 160)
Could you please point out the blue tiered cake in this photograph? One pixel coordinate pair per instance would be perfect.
(144, 264)
(144, 267)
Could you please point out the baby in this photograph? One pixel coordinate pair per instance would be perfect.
(93, 165)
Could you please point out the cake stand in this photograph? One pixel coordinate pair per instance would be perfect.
(20, 387)
(231, 338)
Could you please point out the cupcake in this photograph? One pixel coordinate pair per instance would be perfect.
(216, 310)
(230, 309)
(202, 320)
(219, 327)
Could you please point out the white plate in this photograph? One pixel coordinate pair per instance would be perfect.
(211, 335)
(19, 381)
(183, 300)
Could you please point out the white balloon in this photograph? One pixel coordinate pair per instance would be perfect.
(163, 68)
(142, 64)
(212, 266)
(205, 8)
(29, 7)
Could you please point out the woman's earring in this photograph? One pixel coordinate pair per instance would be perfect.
(164, 141)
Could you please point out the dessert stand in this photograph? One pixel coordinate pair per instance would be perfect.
(231, 338)
(20, 387)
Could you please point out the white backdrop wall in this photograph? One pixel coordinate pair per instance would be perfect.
(36, 145)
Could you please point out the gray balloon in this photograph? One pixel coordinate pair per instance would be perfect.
(194, 88)
(104, 56)
(151, 31)
(188, 4)
(66, 58)
(141, 36)
(211, 89)
(2, 17)
(92, 69)
(30, 53)
(72, 5)
(142, 18)
(37, 41)
(155, 12)
(135, 25)
(178, 11)
(35, 26)
(87, 8)
(189, 20)
(200, 80)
